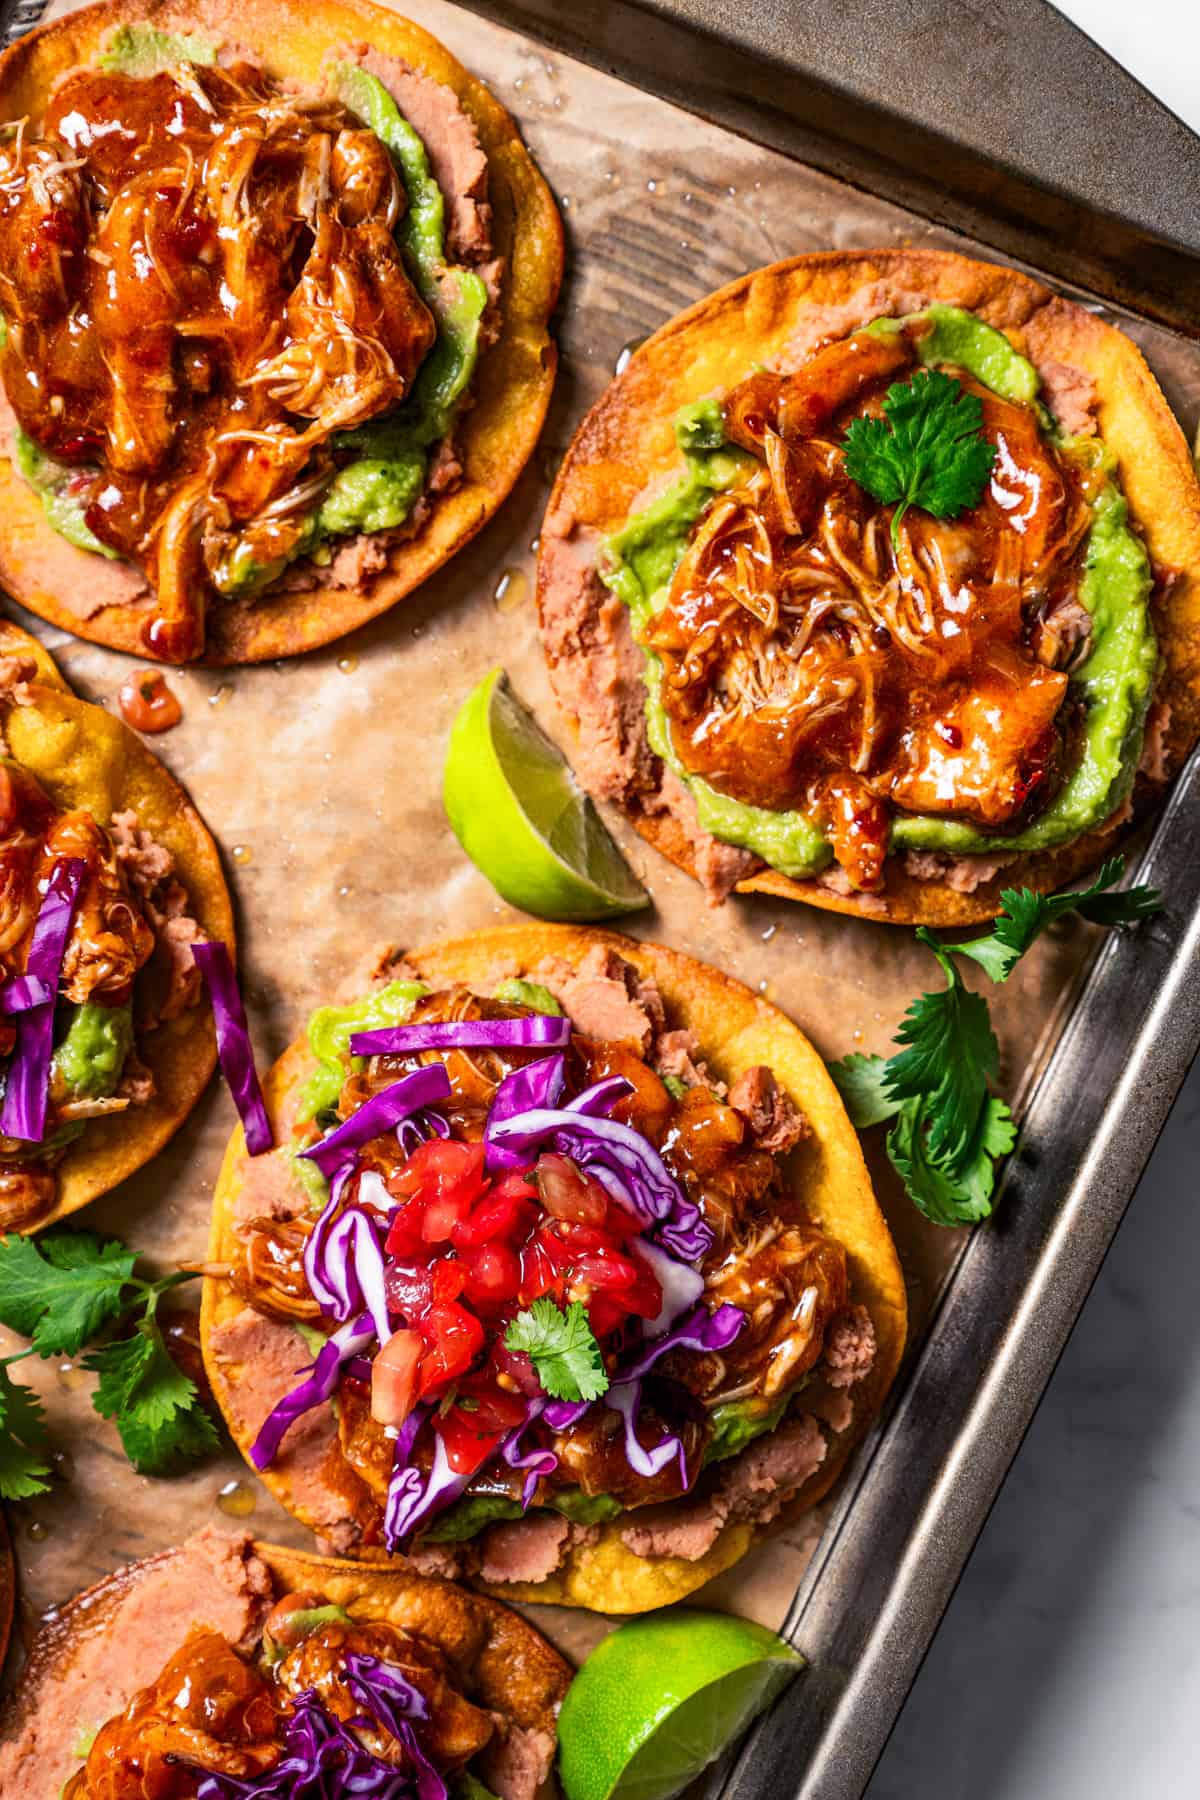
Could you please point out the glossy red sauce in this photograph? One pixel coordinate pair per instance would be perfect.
(148, 704)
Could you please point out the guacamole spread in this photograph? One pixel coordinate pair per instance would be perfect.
(1113, 685)
(475, 1512)
(91, 1055)
(50, 480)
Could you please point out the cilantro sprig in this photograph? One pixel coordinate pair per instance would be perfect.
(562, 1348)
(23, 1465)
(64, 1291)
(949, 1131)
(926, 451)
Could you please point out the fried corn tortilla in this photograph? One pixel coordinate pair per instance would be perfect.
(106, 601)
(736, 1030)
(78, 1667)
(625, 456)
(86, 758)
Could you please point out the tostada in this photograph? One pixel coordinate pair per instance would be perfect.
(275, 284)
(566, 1275)
(873, 581)
(224, 1668)
(108, 877)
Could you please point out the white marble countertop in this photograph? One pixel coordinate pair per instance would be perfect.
(1068, 1664)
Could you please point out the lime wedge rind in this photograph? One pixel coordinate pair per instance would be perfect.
(664, 1697)
(518, 812)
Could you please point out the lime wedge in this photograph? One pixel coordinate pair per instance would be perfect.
(661, 1698)
(523, 819)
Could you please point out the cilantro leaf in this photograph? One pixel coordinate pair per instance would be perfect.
(951, 1053)
(24, 1470)
(957, 1192)
(156, 1407)
(949, 1130)
(926, 451)
(862, 1083)
(562, 1349)
(60, 1290)
(1026, 915)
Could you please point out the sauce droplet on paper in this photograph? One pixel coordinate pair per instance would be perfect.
(511, 590)
(147, 703)
(242, 854)
(347, 665)
(237, 1499)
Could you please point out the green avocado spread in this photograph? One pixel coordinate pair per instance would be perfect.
(532, 994)
(738, 1422)
(475, 1512)
(378, 486)
(301, 1624)
(50, 480)
(330, 1029)
(89, 1056)
(1114, 684)
(89, 1059)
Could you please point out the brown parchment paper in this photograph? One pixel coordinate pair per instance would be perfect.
(321, 777)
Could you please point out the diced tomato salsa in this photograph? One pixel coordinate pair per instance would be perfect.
(465, 1253)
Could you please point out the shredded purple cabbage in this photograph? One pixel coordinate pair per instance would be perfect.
(233, 1044)
(343, 1261)
(681, 1283)
(26, 1090)
(533, 1032)
(701, 1330)
(415, 1495)
(626, 1400)
(535, 1463)
(324, 1759)
(411, 1094)
(321, 1379)
(398, 1706)
(624, 1162)
(560, 1415)
(21, 992)
(536, 1084)
(411, 1133)
(601, 1097)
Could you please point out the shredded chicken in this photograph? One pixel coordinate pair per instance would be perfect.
(202, 287)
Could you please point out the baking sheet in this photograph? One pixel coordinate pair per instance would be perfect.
(321, 777)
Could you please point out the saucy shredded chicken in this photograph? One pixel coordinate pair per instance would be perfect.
(212, 1711)
(810, 664)
(202, 287)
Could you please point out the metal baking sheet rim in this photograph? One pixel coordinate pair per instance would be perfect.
(917, 1495)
